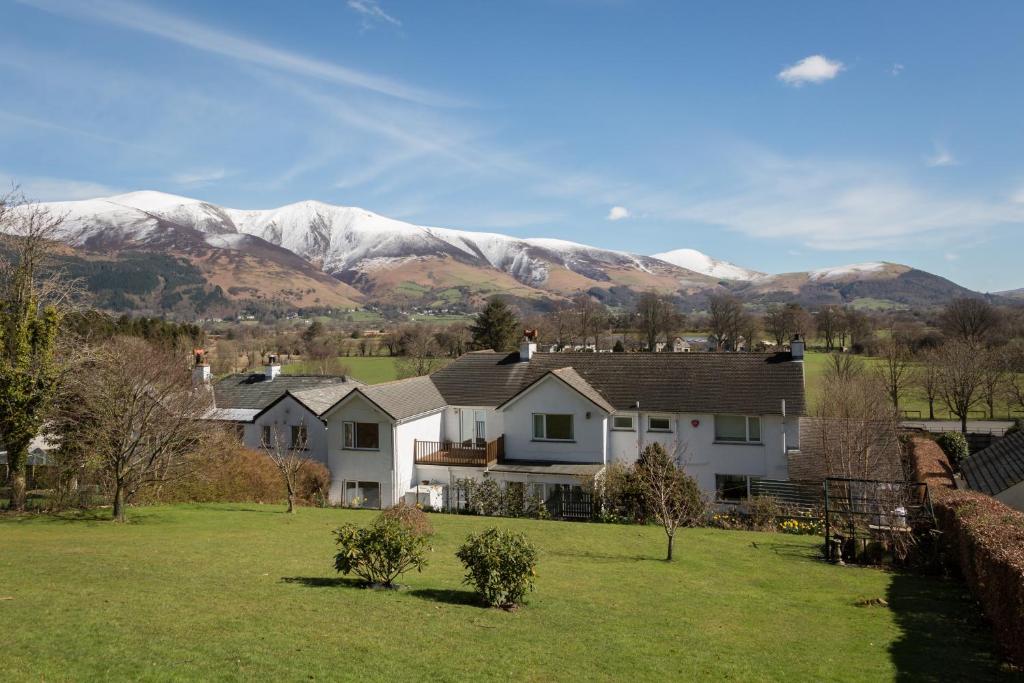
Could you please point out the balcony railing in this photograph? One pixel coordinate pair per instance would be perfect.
(469, 454)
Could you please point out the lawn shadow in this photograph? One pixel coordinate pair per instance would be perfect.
(605, 556)
(325, 581)
(800, 551)
(450, 596)
(944, 635)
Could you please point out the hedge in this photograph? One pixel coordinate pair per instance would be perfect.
(985, 539)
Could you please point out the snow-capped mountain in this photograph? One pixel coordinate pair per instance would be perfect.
(313, 253)
(700, 262)
(355, 245)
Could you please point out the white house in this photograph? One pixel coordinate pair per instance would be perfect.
(260, 403)
(549, 420)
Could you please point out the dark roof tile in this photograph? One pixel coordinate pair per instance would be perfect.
(998, 467)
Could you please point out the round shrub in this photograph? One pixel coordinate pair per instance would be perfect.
(381, 552)
(411, 517)
(954, 445)
(500, 564)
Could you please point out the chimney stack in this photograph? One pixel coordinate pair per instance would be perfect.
(272, 369)
(528, 346)
(201, 369)
(796, 348)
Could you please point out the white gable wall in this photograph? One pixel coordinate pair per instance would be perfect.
(285, 414)
(360, 465)
(551, 395)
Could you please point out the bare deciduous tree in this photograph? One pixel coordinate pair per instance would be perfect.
(656, 317)
(288, 449)
(419, 351)
(726, 319)
(960, 378)
(671, 495)
(969, 320)
(138, 416)
(927, 376)
(855, 428)
(896, 370)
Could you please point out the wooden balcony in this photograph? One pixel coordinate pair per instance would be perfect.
(466, 454)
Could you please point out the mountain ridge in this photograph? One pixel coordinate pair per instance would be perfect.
(354, 255)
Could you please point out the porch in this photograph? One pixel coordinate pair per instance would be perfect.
(465, 454)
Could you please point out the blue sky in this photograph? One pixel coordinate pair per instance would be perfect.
(780, 136)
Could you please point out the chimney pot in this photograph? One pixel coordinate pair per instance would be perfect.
(796, 348)
(272, 369)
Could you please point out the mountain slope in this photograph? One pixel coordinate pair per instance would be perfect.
(311, 254)
(702, 263)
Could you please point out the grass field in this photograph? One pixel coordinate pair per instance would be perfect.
(368, 369)
(816, 364)
(233, 592)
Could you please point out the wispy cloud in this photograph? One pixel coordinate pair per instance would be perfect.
(837, 205)
(813, 69)
(143, 19)
(199, 177)
(47, 189)
(941, 156)
(618, 213)
(372, 13)
(896, 69)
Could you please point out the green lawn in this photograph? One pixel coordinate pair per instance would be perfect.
(246, 592)
(368, 369)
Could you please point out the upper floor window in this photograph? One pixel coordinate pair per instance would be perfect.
(659, 424)
(622, 422)
(738, 428)
(548, 427)
(361, 435)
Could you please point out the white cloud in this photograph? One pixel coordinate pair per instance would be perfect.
(951, 256)
(371, 12)
(48, 189)
(1018, 196)
(196, 35)
(940, 157)
(617, 213)
(836, 205)
(813, 69)
(896, 69)
(199, 177)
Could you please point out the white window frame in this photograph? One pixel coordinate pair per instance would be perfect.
(746, 439)
(303, 433)
(666, 430)
(630, 428)
(266, 435)
(544, 423)
(350, 428)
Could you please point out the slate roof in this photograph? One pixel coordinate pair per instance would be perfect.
(669, 382)
(405, 398)
(255, 391)
(573, 379)
(998, 467)
(320, 399)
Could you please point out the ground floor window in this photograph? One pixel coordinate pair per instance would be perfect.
(362, 494)
(733, 488)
